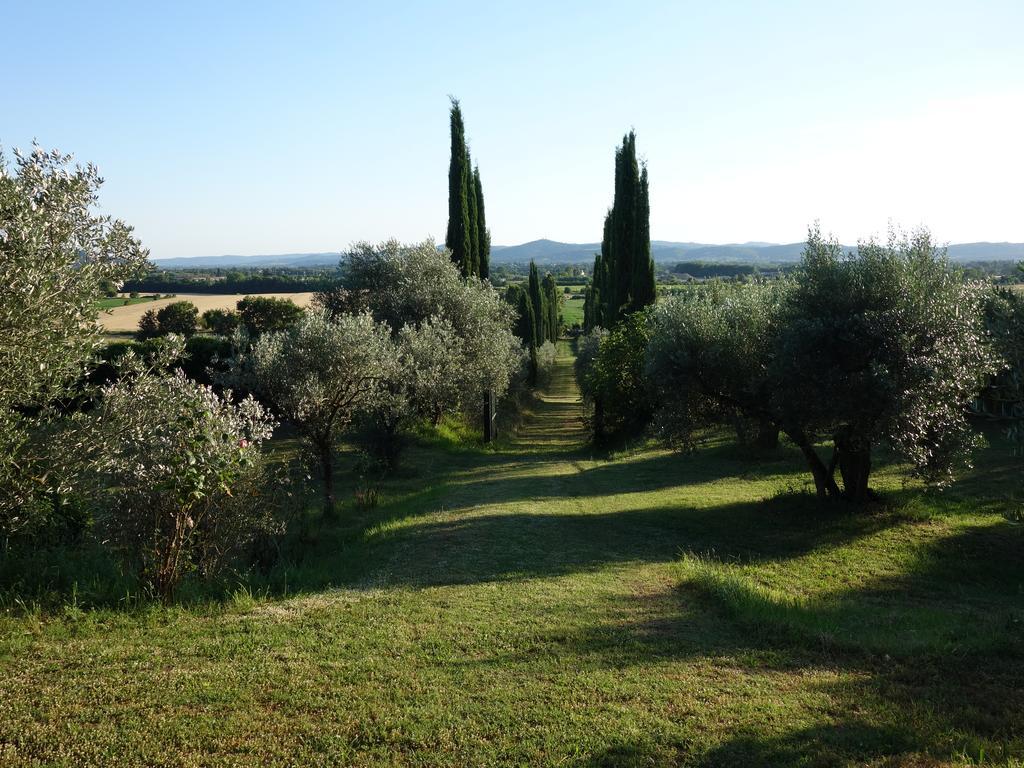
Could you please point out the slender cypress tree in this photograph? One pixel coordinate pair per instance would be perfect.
(519, 298)
(467, 237)
(483, 235)
(550, 287)
(624, 273)
(458, 239)
(474, 232)
(540, 331)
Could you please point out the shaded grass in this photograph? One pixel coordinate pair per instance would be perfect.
(531, 603)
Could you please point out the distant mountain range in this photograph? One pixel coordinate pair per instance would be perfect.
(553, 252)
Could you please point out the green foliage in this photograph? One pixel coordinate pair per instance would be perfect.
(57, 258)
(459, 239)
(519, 298)
(173, 473)
(410, 285)
(540, 310)
(180, 317)
(222, 322)
(267, 314)
(467, 236)
(612, 379)
(149, 326)
(483, 234)
(885, 345)
(709, 354)
(553, 307)
(319, 374)
(206, 357)
(623, 276)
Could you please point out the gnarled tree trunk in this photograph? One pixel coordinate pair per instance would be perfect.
(767, 436)
(854, 461)
(824, 481)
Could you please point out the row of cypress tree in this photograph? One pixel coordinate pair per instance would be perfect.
(468, 238)
(539, 307)
(623, 277)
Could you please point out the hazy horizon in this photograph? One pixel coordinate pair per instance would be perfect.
(238, 129)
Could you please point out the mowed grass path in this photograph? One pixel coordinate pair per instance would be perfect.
(538, 605)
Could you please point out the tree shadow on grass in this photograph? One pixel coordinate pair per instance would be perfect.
(893, 702)
(501, 546)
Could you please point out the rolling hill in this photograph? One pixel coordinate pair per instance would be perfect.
(554, 252)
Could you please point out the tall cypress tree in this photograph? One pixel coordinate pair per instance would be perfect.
(550, 287)
(625, 280)
(458, 239)
(467, 237)
(540, 315)
(483, 235)
(474, 232)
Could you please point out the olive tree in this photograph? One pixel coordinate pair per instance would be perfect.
(883, 345)
(57, 256)
(708, 360)
(319, 374)
(407, 286)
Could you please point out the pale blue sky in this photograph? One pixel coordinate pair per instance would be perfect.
(268, 128)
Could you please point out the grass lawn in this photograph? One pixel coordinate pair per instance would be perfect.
(572, 310)
(537, 604)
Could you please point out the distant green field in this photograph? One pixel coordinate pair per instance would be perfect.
(122, 301)
(572, 310)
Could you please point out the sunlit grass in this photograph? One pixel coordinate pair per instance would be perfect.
(535, 602)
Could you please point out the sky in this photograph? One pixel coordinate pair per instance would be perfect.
(252, 128)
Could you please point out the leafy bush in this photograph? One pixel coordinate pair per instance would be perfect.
(221, 322)
(267, 314)
(708, 359)
(546, 355)
(206, 356)
(612, 380)
(461, 329)
(180, 317)
(175, 474)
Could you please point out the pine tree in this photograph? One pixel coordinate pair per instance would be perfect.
(483, 235)
(458, 238)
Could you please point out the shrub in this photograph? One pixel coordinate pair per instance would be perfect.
(180, 317)
(222, 322)
(613, 382)
(267, 314)
(175, 474)
(206, 355)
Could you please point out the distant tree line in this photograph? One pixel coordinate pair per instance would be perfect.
(233, 281)
(538, 305)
